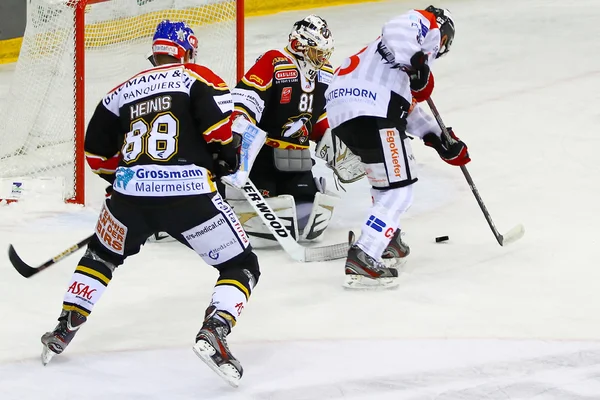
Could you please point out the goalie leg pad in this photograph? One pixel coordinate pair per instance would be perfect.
(346, 165)
(320, 215)
(260, 236)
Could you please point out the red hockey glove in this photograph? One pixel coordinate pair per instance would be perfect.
(454, 152)
(421, 78)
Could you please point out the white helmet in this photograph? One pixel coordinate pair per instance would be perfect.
(312, 44)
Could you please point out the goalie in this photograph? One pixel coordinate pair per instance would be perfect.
(283, 94)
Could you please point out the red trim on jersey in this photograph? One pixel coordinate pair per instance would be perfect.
(261, 72)
(100, 164)
(319, 130)
(220, 132)
(430, 17)
(207, 74)
(424, 93)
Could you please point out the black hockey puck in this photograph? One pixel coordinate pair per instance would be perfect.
(441, 239)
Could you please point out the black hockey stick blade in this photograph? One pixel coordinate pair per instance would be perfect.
(28, 271)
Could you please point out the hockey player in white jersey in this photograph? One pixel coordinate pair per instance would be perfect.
(372, 102)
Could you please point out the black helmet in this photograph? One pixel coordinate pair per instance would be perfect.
(446, 24)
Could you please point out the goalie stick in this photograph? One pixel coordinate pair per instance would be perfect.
(28, 271)
(285, 239)
(512, 235)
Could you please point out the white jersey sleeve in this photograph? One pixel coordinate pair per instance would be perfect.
(414, 31)
(419, 123)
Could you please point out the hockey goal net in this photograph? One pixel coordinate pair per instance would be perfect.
(73, 52)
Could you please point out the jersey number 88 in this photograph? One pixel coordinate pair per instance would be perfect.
(158, 139)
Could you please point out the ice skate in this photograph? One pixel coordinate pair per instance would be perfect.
(211, 347)
(56, 342)
(394, 255)
(364, 272)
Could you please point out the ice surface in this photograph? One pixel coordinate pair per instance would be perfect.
(470, 320)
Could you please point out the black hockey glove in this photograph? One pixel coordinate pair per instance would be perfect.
(420, 72)
(453, 152)
(227, 160)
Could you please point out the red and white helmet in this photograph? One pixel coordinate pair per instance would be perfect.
(312, 43)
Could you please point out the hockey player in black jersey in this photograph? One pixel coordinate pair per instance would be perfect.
(283, 94)
(160, 138)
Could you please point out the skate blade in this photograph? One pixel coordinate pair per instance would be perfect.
(47, 355)
(359, 282)
(228, 372)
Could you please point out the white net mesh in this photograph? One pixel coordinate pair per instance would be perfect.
(37, 126)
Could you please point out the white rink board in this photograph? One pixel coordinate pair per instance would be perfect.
(470, 320)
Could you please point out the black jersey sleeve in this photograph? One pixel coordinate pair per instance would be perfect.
(102, 147)
(252, 94)
(211, 103)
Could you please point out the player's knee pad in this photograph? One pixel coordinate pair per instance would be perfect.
(260, 236)
(320, 215)
(97, 254)
(92, 261)
(244, 271)
(389, 205)
(161, 237)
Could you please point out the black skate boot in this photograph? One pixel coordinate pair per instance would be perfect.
(364, 272)
(56, 342)
(394, 255)
(211, 347)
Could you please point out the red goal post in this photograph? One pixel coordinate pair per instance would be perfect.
(73, 52)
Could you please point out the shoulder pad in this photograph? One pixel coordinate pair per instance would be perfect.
(205, 75)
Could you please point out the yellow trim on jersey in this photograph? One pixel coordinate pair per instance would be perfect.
(211, 183)
(257, 86)
(92, 155)
(235, 283)
(216, 126)
(201, 79)
(245, 112)
(322, 117)
(284, 67)
(104, 171)
(75, 308)
(327, 68)
(280, 144)
(93, 272)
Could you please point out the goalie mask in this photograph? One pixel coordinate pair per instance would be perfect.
(446, 23)
(312, 44)
(175, 39)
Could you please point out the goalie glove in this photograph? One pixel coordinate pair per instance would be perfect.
(346, 166)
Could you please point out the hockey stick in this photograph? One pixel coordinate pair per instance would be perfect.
(512, 235)
(28, 271)
(285, 239)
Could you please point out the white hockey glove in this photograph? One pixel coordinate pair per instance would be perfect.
(346, 166)
(253, 139)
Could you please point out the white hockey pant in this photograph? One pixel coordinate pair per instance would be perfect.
(384, 219)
